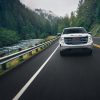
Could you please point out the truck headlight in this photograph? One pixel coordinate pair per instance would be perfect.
(61, 40)
(90, 38)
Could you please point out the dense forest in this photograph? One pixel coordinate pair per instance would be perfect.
(17, 22)
(87, 15)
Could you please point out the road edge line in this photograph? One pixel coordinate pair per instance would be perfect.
(24, 88)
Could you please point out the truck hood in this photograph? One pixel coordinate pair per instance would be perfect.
(75, 35)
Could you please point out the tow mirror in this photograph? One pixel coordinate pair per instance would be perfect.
(89, 32)
(58, 34)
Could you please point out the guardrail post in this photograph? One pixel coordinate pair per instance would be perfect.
(36, 50)
(45, 45)
(21, 58)
(4, 66)
(30, 53)
(41, 47)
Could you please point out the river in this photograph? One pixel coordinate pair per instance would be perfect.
(22, 45)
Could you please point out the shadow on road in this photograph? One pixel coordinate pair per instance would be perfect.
(76, 54)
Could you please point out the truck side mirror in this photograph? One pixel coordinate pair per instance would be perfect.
(90, 32)
(58, 34)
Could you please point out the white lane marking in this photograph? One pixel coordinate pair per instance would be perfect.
(20, 93)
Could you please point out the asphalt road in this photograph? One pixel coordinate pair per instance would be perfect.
(75, 77)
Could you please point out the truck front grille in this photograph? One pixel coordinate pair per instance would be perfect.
(76, 40)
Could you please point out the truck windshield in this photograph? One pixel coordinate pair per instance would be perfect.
(75, 30)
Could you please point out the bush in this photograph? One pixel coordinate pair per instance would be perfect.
(96, 30)
(8, 37)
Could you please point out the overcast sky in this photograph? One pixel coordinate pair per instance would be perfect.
(59, 7)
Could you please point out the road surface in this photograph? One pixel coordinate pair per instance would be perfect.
(48, 76)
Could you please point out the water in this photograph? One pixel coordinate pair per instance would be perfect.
(22, 45)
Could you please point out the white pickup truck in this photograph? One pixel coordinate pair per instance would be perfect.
(75, 39)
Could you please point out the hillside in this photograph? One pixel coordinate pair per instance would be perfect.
(88, 16)
(23, 22)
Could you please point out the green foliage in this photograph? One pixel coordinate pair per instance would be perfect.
(43, 35)
(87, 15)
(63, 23)
(7, 37)
(26, 23)
(96, 30)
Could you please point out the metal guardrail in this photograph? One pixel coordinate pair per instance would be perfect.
(20, 54)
